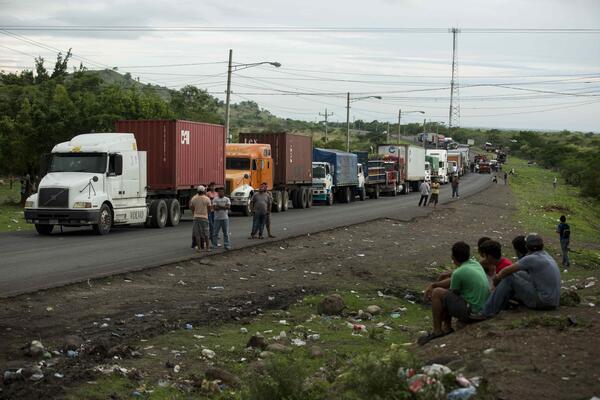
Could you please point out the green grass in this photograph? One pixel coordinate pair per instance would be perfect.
(539, 206)
(11, 213)
(336, 340)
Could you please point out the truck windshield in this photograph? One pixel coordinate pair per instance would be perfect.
(319, 172)
(78, 162)
(242, 164)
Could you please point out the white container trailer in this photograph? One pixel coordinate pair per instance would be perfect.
(442, 155)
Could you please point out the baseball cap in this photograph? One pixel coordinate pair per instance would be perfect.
(201, 188)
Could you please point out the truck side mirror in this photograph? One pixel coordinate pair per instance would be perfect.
(95, 178)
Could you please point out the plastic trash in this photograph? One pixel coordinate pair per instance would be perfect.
(462, 393)
(72, 353)
(208, 353)
(436, 370)
(395, 315)
(189, 327)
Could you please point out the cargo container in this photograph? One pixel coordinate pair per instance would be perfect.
(411, 164)
(338, 176)
(285, 164)
(147, 175)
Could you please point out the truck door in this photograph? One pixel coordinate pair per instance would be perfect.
(114, 178)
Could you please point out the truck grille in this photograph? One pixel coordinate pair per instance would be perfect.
(53, 198)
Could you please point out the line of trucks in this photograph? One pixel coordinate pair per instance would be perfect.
(148, 172)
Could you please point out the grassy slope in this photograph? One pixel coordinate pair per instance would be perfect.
(10, 210)
(540, 206)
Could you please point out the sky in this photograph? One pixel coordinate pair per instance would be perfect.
(506, 79)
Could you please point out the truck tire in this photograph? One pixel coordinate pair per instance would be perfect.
(376, 192)
(44, 230)
(346, 195)
(105, 220)
(277, 201)
(285, 199)
(294, 198)
(302, 198)
(330, 199)
(394, 192)
(363, 193)
(310, 198)
(174, 212)
(158, 214)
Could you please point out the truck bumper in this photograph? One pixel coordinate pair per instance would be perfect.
(61, 216)
(238, 202)
(319, 194)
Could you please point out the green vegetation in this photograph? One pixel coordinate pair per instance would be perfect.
(539, 207)
(11, 213)
(352, 365)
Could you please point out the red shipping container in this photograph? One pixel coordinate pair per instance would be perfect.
(180, 154)
(292, 156)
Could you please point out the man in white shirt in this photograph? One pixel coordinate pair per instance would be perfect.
(425, 190)
(221, 205)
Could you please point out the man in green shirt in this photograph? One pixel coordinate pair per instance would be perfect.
(462, 294)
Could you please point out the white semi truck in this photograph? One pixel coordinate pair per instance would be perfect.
(442, 156)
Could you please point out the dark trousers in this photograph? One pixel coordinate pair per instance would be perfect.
(455, 191)
(423, 200)
(564, 247)
(258, 224)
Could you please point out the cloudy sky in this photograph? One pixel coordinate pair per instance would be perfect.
(509, 79)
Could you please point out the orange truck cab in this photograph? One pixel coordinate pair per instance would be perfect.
(247, 165)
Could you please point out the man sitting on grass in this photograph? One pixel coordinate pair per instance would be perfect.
(458, 296)
(491, 258)
(533, 280)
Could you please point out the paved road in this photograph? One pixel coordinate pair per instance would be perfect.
(30, 262)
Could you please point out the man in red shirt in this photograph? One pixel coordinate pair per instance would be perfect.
(492, 260)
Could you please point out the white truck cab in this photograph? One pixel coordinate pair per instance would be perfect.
(322, 186)
(96, 179)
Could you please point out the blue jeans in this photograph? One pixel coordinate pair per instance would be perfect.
(211, 222)
(564, 247)
(221, 225)
(258, 224)
(517, 286)
(454, 191)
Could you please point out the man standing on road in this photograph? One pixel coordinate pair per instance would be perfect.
(505, 178)
(435, 193)
(564, 234)
(200, 205)
(460, 295)
(211, 194)
(260, 205)
(425, 190)
(454, 184)
(534, 281)
(221, 206)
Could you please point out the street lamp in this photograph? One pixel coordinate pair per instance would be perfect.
(230, 69)
(400, 118)
(348, 101)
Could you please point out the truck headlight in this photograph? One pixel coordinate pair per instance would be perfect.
(29, 204)
(82, 204)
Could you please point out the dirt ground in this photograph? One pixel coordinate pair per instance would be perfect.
(531, 358)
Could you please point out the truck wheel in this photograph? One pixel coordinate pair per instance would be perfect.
(158, 214)
(310, 198)
(105, 220)
(174, 215)
(376, 192)
(347, 195)
(277, 201)
(294, 198)
(44, 230)
(285, 199)
(302, 198)
(363, 193)
(330, 199)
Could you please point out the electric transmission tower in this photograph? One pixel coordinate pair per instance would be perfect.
(454, 112)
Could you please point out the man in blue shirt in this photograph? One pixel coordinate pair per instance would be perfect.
(564, 233)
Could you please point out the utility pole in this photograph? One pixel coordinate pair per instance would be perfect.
(348, 122)
(399, 126)
(387, 136)
(326, 115)
(228, 99)
(454, 111)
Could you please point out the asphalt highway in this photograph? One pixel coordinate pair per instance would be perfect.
(29, 262)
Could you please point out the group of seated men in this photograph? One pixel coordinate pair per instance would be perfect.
(477, 290)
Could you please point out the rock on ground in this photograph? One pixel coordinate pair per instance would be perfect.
(331, 305)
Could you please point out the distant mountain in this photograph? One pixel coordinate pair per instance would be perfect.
(112, 77)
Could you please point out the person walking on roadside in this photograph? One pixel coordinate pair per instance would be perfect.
(221, 205)
(435, 193)
(454, 184)
(211, 194)
(200, 205)
(260, 205)
(505, 178)
(564, 233)
(425, 190)
(554, 183)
